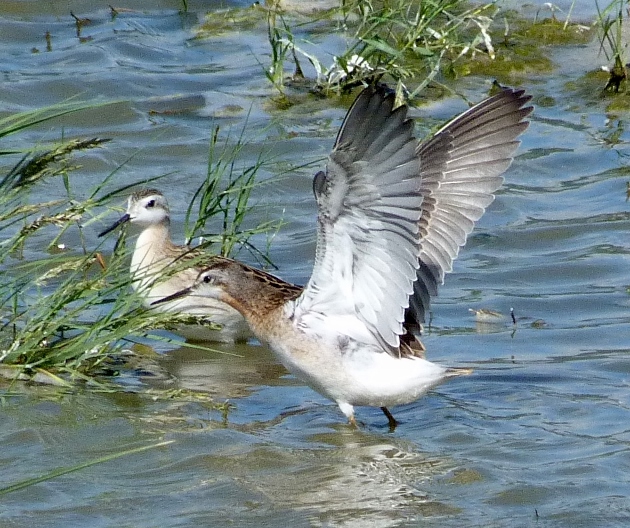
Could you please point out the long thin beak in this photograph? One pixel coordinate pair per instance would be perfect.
(124, 218)
(173, 296)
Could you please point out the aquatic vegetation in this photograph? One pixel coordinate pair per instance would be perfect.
(225, 194)
(522, 46)
(222, 21)
(52, 316)
(72, 315)
(610, 34)
(410, 45)
(608, 79)
(397, 40)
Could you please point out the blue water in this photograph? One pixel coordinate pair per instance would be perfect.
(537, 436)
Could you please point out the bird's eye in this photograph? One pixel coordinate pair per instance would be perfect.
(151, 203)
(208, 279)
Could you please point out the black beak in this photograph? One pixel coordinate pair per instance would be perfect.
(176, 295)
(124, 218)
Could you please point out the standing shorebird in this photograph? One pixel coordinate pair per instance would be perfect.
(160, 268)
(392, 216)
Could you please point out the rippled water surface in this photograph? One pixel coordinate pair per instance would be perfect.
(538, 436)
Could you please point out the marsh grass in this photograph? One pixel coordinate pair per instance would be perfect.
(61, 315)
(610, 22)
(70, 316)
(67, 316)
(224, 198)
(401, 41)
(281, 43)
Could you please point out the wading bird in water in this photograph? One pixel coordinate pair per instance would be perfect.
(392, 216)
(159, 268)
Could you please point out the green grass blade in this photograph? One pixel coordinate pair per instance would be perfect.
(64, 471)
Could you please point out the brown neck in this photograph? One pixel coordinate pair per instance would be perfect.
(255, 298)
(255, 293)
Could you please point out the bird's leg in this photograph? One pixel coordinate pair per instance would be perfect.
(392, 421)
(348, 410)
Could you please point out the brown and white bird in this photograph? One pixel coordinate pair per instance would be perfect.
(160, 268)
(392, 216)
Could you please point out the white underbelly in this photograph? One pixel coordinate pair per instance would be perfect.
(361, 376)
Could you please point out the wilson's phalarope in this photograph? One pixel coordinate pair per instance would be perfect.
(155, 253)
(391, 219)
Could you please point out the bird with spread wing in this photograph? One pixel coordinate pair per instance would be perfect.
(392, 216)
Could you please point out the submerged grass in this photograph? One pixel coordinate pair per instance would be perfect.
(64, 471)
(522, 46)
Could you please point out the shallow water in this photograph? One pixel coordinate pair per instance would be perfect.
(538, 436)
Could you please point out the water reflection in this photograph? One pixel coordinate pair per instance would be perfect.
(357, 480)
(224, 371)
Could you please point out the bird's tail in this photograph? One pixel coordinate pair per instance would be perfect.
(453, 372)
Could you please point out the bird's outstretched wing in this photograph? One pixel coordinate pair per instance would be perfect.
(369, 207)
(461, 167)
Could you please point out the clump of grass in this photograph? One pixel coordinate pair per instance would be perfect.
(64, 316)
(59, 315)
(281, 44)
(398, 40)
(610, 34)
(410, 40)
(225, 196)
(521, 45)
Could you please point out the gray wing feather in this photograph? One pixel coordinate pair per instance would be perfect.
(461, 167)
(370, 204)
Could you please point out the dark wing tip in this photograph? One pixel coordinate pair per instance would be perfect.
(462, 166)
(371, 108)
